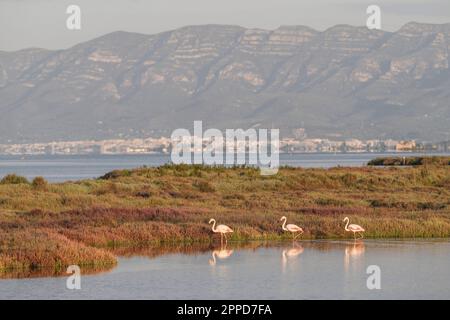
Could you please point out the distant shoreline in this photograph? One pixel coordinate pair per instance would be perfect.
(421, 152)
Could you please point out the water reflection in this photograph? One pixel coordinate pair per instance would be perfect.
(353, 254)
(222, 253)
(290, 253)
(324, 269)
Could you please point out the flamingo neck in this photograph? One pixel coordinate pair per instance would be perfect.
(346, 226)
(284, 225)
(214, 226)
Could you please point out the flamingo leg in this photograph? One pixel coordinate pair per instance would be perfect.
(226, 240)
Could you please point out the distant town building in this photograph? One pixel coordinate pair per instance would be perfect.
(406, 145)
(163, 145)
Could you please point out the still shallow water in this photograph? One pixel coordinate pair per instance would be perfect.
(60, 168)
(301, 270)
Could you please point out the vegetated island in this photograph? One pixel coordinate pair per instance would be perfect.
(410, 161)
(87, 222)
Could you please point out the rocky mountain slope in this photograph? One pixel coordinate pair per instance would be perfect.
(343, 82)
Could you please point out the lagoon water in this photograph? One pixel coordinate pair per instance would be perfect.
(61, 168)
(409, 269)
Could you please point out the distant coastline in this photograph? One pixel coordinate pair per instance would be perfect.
(163, 145)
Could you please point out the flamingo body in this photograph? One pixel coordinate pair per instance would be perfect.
(222, 229)
(355, 228)
(291, 228)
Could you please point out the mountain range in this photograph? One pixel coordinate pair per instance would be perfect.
(344, 82)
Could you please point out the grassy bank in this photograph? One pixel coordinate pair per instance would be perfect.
(85, 222)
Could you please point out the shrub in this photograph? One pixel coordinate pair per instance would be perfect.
(14, 179)
(349, 179)
(39, 183)
(116, 174)
(431, 206)
(143, 194)
(204, 186)
(107, 188)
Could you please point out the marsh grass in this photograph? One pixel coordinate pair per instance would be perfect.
(84, 222)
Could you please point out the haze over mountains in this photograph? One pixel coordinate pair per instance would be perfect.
(340, 83)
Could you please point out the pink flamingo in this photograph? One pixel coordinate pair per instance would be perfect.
(354, 228)
(291, 228)
(222, 229)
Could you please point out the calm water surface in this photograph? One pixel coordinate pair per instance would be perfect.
(301, 270)
(62, 168)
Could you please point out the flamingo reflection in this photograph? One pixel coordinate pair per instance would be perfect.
(353, 253)
(221, 254)
(290, 253)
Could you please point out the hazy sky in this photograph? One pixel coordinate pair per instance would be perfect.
(42, 23)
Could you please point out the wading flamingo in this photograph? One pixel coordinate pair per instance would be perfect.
(222, 229)
(354, 228)
(291, 228)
